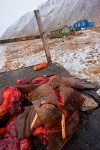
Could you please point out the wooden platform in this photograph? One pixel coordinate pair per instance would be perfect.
(87, 136)
(9, 78)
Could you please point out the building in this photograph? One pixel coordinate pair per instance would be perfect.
(91, 24)
(81, 24)
(59, 32)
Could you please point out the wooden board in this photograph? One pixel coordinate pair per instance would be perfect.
(9, 78)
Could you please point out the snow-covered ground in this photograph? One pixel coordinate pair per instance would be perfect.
(2, 56)
(80, 54)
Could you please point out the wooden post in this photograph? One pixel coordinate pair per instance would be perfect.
(43, 35)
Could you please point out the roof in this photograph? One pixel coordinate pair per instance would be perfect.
(81, 21)
(60, 28)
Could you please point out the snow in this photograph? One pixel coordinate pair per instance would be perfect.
(2, 56)
(1, 49)
(80, 54)
(24, 20)
(55, 14)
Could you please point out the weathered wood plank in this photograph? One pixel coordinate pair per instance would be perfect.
(43, 35)
(9, 78)
(4, 41)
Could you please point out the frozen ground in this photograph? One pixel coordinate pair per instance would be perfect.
(80, 54)
(2, 56)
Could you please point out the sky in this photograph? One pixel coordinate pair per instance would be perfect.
(11, 10)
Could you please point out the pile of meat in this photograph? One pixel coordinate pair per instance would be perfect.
(42, 108)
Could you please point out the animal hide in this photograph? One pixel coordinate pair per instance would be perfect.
(56, 103)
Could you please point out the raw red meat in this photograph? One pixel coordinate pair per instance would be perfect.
(10, 139)
(33, 80)
(11, 102)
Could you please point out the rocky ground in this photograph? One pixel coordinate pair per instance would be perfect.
(79, 54)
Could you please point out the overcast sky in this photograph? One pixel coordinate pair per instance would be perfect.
(11, 10)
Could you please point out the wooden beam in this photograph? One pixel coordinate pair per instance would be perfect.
(18, 39)
(43, 35)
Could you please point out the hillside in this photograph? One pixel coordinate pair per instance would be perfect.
(55, 14)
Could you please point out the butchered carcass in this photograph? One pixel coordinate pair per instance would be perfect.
(54, 115)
